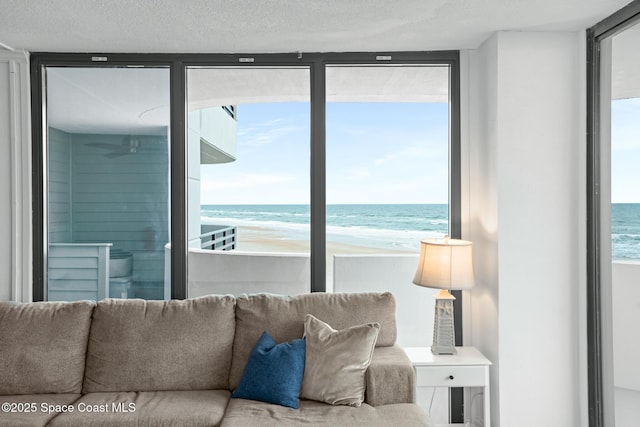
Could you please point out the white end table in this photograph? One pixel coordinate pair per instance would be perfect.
(467, 368)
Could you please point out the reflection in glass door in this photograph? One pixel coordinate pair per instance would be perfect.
(248, 179)
(107, 201)
(623, 253)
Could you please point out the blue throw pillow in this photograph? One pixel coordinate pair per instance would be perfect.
(273, 372)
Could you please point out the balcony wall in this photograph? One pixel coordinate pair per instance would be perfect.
(626, 336)
(237, 272)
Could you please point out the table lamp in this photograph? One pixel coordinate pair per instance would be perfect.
(445, 264)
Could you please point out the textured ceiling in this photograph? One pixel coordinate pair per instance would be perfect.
(265, 26)
(258, 26)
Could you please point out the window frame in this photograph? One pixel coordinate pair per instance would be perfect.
(38, 64)
(600, 405)
(178, 64)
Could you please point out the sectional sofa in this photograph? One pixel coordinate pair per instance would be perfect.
(156, 363)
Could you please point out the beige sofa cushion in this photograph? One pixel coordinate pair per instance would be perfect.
(283, 317)
(336, 361)
(40, 417)
(390, 377)
(43, 346)
(137, 345)
(245, 413)
(198, 408)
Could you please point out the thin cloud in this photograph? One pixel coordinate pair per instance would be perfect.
(358, 173)
(245, 181)
(265, 133)
(410, 153)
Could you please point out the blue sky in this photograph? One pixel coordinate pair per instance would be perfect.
(376, 153)
(625, 151)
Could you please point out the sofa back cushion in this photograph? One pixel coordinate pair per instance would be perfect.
(43, 346)
(283, 318)
(137, 345)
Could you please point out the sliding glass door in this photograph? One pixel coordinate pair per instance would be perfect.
(613, 294)
(620, 208)
(107, 181)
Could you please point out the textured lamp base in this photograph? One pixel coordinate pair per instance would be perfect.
(444, 340)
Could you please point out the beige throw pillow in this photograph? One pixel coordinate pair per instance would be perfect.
(336, 361)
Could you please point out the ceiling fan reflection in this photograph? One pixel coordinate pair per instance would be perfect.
(128, 146)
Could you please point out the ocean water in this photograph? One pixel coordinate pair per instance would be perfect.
(625, 231)
(393, 227)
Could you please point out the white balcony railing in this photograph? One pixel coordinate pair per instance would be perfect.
(218, 237)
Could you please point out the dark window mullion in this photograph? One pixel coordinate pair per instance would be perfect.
(178, 174)
(455, 213)
(38, 177)
(318, 178)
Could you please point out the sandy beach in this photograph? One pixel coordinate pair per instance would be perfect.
(262, 239)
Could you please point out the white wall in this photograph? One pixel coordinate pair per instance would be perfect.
(627, 407)
(480, 194)
(219, 129)
(478, 85)
(238, 272)
(5, 178)
(626, 336)
(193, 180)
(525, 178)
(626, 313)
(391, 273)
(15, 178)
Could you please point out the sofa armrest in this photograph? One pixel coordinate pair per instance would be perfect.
(390, 377)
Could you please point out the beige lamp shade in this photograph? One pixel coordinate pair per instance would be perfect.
(445, 264)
